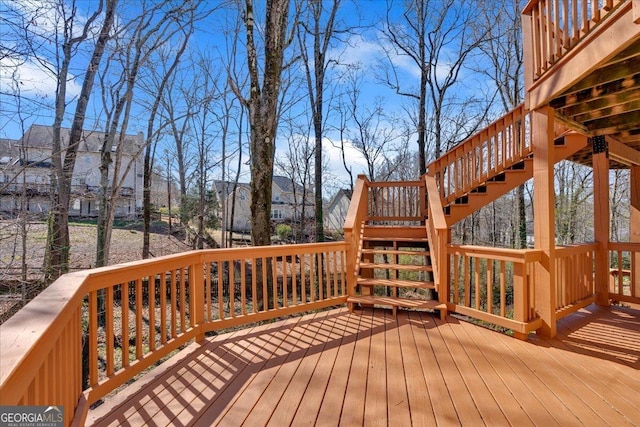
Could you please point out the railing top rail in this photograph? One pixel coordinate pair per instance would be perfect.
(568, 250)
(503, 254)
(395, 183)
(625, 246)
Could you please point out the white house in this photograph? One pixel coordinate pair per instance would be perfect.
(335, 212)
(286, 202)
(26, 167)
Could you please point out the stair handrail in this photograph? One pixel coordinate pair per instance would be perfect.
(438, 234)
(353, 227)
(484, 155)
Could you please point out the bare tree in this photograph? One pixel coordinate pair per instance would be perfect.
(320, 28)
(438, 39)
(58, 244)
(503, 49)
(370, 132)
(156, 25)
(161, 81)
(262, 105)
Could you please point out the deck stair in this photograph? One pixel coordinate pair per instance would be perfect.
(394, 269)
(465, 189)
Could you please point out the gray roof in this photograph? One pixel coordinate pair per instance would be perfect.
(286, 184)
(227, 186)
(41, 136)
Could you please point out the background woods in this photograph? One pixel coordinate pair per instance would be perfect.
(181, 113)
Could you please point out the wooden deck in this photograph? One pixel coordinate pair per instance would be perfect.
(367, 368)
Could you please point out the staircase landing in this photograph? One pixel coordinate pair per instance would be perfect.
(335, 368)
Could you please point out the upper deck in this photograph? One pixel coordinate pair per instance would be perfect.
(582, 58)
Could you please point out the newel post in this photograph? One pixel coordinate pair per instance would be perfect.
(542, 126)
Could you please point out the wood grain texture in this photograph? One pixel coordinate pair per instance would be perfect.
(369, 368)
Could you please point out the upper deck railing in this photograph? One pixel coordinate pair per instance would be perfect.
(559, 26)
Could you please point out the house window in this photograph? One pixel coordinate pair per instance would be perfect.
(242, 195)
(276, 214)
(276, 197)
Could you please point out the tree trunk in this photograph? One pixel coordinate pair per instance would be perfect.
(57, 252)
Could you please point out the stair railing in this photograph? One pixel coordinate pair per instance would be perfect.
(438, 234)
(483, 156)
(353, 228)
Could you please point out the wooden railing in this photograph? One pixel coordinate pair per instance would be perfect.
(395, 202)
(353, 229)
(439, 235)
(624, 281)
(575, 279)
(102, 327)
(558, 26)
(502, 144)
(494, 285)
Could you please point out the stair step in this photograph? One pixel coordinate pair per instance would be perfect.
(395, 302)
(398, 283)
(395, 239)
(405, 267)
(395, 232)
(394, 252)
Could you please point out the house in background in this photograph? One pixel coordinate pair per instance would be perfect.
(286, 202)
(336, 211)
(26, 167)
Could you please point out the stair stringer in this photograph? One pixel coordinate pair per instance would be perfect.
(572, 143)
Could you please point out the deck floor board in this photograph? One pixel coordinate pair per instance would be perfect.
(371, 368)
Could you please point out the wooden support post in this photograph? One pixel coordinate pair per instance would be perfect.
(601, 217)
(544, 217)
(634, 218)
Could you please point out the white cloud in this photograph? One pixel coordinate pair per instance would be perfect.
(34, 79)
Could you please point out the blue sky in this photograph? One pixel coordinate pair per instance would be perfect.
(364, 48)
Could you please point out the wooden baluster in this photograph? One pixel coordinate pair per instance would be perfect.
(93, 338)
(243, 285)
(565, 22)
(220, 265)
(586, 22)
(254, 284)
(152, 313)
(489, 286)
(163, 307)
(294, 278)
(109, 342)
(303, 277)
(208, 290)
(125, 324)
(139, 334)
(232, 289)
(596, 11)
(174, 304)
(285, 282)
(274, 281)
